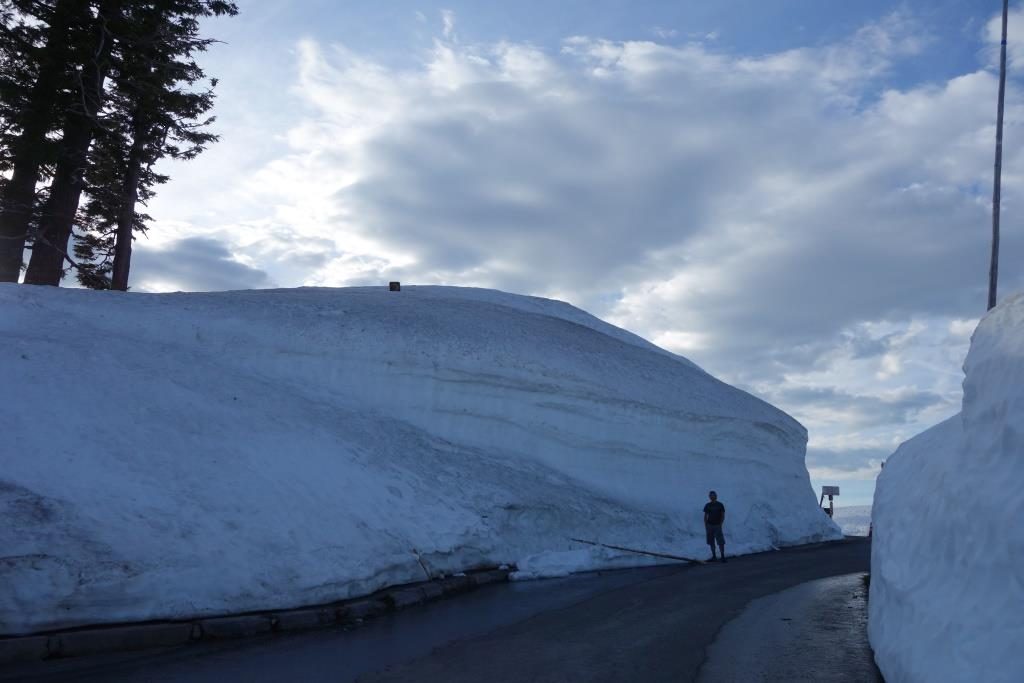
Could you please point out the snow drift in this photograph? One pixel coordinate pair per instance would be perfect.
(176, 455)
(947, 562)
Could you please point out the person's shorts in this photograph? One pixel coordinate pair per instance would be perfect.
(715, 534)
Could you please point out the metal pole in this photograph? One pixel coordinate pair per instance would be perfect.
(993, 272)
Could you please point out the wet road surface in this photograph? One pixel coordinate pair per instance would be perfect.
(816, 631)
(653, 624)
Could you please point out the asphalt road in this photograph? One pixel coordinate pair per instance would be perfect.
(654, 624)
(815, 632)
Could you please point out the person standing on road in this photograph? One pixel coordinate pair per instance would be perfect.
(714, 517)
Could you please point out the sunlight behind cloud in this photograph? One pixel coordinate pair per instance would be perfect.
(776, 217)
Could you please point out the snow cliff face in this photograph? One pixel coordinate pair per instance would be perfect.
(947, 564)
(173, 455)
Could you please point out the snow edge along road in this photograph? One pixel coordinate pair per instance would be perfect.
(124, 637)
(147, 635)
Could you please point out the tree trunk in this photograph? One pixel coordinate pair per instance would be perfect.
(126, 218)
(46, 267)
(20, 191)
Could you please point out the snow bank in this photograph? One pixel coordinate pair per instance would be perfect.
(192, 454)
(854, 520)
(947, 564)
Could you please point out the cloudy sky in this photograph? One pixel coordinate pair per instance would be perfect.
(794, 194)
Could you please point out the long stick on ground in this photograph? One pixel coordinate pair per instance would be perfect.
(638, 551)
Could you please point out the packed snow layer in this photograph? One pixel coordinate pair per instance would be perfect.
(175, 455)
(854, 520)
(947, 563)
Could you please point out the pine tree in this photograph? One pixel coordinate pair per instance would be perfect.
(92, 64)
(158, 110)
(97, 221)
(60, 119)
(36, 44)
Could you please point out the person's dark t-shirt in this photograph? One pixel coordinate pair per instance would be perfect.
(715, 512)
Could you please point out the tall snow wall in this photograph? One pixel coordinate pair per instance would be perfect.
(947, 560)
(176, 455)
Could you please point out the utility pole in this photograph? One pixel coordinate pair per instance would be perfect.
(993, 272)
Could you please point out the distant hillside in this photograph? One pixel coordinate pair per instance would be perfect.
(854, 520)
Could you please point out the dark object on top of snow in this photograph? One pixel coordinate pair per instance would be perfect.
(394, 286)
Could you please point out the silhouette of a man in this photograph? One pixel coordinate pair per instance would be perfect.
(714, 517)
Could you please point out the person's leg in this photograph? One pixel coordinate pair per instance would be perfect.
(710, 532)
(721, 543)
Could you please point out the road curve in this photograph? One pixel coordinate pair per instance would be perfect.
(649, 625)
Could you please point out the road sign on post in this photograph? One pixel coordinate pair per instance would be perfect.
(829, 491)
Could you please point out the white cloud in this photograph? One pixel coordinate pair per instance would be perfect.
(993, 34)
(784, 220)
(448, 21)
(867, 472)
(962, 328)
